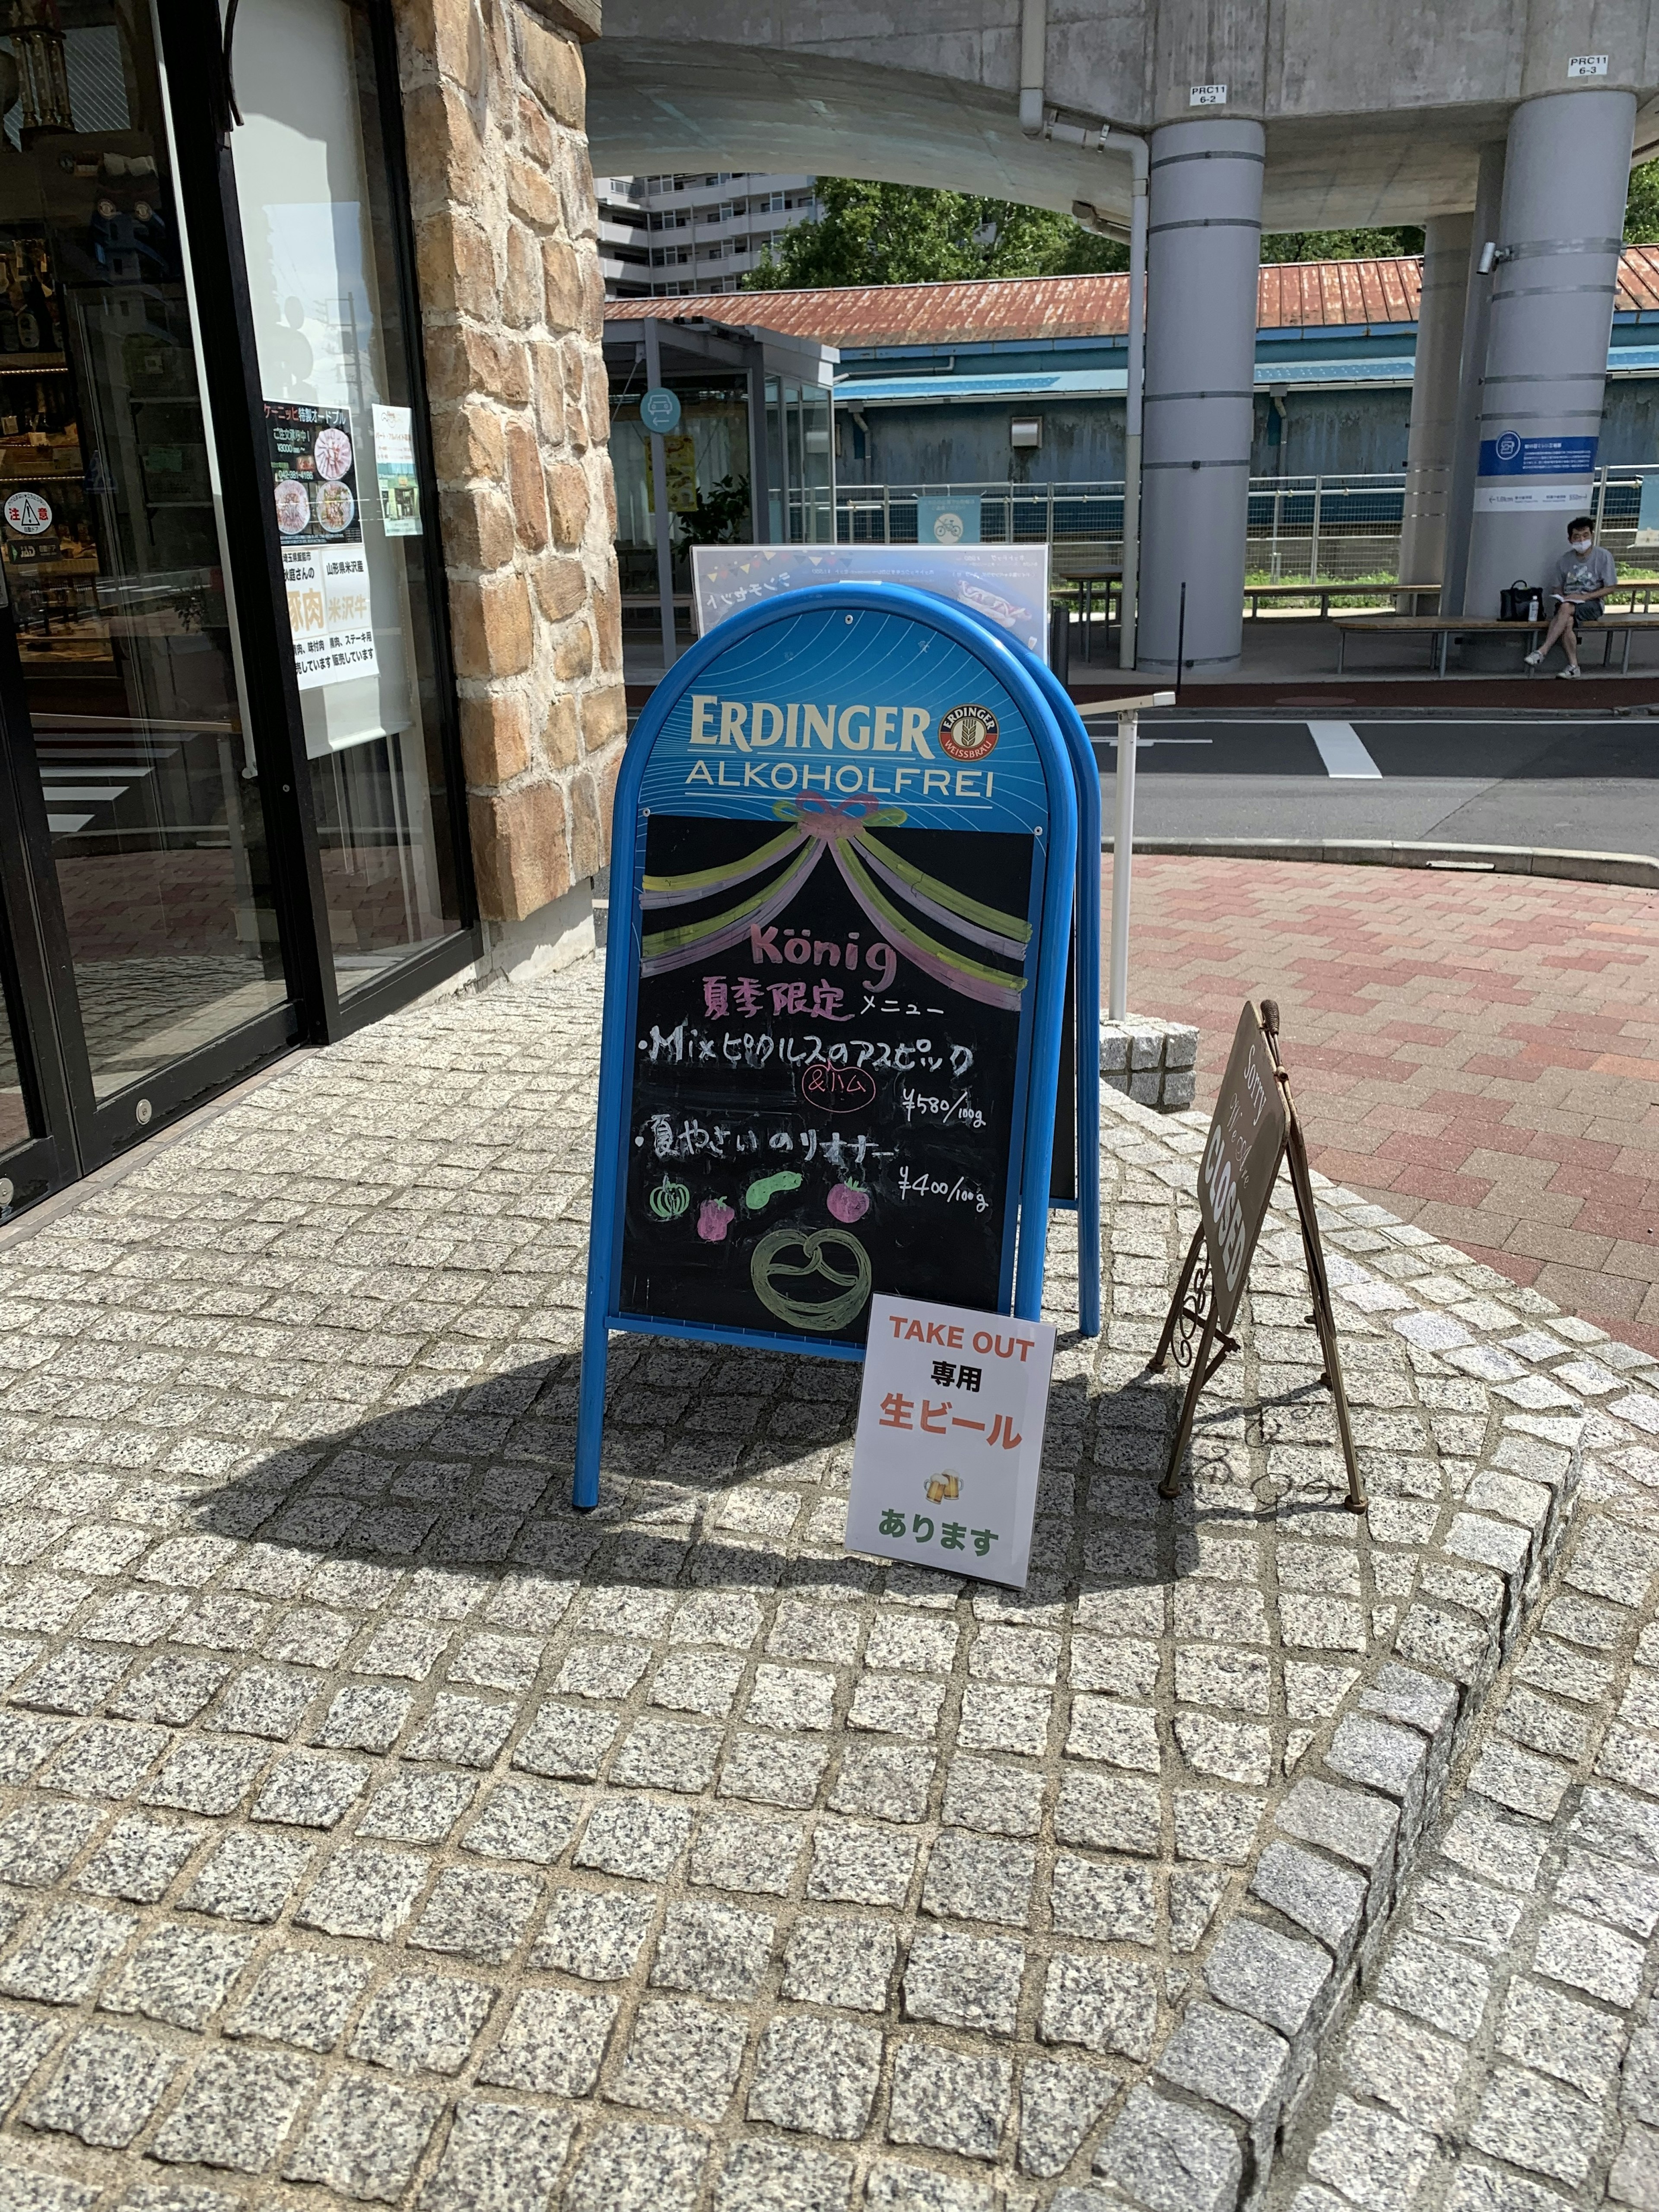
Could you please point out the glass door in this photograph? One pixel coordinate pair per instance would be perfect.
(129, 710)
(323, 229)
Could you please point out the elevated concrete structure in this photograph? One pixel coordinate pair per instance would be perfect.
(1290, 115)
(1372, 116)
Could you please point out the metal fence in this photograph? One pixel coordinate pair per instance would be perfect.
(1328, 529)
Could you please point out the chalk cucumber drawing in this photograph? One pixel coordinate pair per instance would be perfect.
(758, 1193)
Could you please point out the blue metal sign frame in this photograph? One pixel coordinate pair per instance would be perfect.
(1054, 882)
(1087, 768)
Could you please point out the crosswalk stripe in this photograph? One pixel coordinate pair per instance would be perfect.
(1341, 749)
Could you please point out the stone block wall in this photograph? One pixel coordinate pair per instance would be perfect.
(512, 304)
(1153, 1060)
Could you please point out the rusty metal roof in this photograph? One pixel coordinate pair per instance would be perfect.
(1291, 295)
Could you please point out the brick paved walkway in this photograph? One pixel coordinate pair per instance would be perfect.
(372, 1829)
(1480, 1053)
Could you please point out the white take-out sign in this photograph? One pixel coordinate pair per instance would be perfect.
(949, 1438)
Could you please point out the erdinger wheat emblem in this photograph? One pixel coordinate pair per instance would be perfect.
(969, 733)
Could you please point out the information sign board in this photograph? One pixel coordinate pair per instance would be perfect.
(1240, 1161)
(949, 1438)
(844, 846)
(1254, 1128)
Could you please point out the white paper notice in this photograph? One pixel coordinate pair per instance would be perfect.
(328, 611)
(949, 1438)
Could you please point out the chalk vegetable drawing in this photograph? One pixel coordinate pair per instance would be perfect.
(715, 1217)
(670, 1199)
(848, 1201)
(769, 1186)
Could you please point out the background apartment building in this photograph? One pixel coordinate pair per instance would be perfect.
(663, 235)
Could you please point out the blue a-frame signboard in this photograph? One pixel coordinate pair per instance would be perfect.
(844, 872)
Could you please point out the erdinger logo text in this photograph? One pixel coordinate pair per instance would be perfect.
(757, 725)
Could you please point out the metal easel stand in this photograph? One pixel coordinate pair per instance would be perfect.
(1192, 1312)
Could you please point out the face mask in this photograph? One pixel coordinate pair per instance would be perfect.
(1579, 544)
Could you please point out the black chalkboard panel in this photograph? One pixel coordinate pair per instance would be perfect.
(814, 1117)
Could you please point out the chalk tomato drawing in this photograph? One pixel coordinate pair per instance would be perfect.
(848, 1201)
(837, 1090)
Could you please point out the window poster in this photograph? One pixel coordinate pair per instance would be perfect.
(394, 471)
(313, 467)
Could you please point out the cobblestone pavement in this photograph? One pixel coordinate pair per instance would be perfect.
(372, 1828)
(1506, 2057)
(1480, 1053)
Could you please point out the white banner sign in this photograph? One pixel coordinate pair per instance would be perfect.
(328, 611)
(1008, 585)
(1510, 493)
(949, 1438)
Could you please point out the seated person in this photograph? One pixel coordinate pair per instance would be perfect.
(1578, 582)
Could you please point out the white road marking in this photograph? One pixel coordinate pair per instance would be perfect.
(1341, 749)
(63, 825)
(85, 791)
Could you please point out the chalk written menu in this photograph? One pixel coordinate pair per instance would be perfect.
(822, 1107)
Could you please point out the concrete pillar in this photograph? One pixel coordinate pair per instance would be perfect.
(1432, 442)
(1566, 176)
(1477, 318)
(1204, 246)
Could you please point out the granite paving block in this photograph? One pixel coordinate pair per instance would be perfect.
(418, 2022)
(1059, 2103)
(669, 1860)
(554, 2041)
(960, 1981)
(301, 1996)
(179, 1973)
(363, 2137)
(236, 2109)
(109, 2082)
(948, 2100)
(816, 2076)
(683, 2057)
(638, 2167)
(499, 2158)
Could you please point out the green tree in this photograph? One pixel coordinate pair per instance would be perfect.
(872, 233)
(1641, 208)
(1338, 245)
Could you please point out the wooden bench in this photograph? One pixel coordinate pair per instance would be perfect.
(1441, 629)
(1326, 592)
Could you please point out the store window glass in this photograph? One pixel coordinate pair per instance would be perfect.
(17, 1122)
(112, 552)
(358, 544)
(799, 463)
(706, 464)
